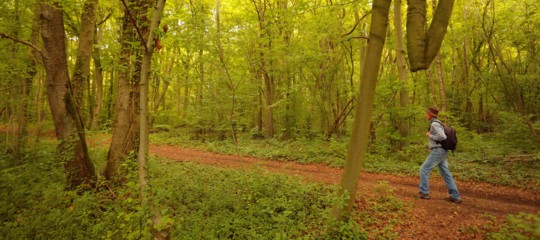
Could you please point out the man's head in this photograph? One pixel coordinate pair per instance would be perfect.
(432, 113)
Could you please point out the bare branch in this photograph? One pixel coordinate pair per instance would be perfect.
(357, 21)
(3, 35)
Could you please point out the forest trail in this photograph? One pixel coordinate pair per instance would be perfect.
(484, 206)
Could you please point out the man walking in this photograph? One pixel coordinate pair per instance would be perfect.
(438, 157)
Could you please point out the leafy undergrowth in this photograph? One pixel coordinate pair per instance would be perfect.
(478, 158)
(519, 226)
(196, 202)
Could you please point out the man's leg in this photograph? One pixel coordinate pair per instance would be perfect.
(433, 159)
(448, 179)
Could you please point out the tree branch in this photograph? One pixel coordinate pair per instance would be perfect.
(357, 21)
(3, 35)
(105, 19)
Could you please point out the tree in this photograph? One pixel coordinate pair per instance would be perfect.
(424, 46)
(144, 186)
(86, 31)
(263, 69)
(72, 150)
(361, 125)
(404, 126)
(127, 118)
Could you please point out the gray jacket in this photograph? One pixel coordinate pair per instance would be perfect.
(436, 133)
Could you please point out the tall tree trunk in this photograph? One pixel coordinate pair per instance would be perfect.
(72, 149)
(126, 107)
(361, 126)
(98, 83)
(24, 93)
(81, 71)
(404, 125)
(440, 73)
(268, 85)
(230, 83)
(144, 185)
(440, 77)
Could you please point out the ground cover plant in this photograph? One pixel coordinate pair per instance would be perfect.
(196, 202)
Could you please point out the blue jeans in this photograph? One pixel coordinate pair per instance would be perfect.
(438, 157)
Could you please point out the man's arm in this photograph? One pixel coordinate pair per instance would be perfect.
(436, 132)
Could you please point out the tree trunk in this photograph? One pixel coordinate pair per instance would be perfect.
(267, 80)
(361, 126)
(24, 93)
(81, 71)
(225, 71)
(440, 73)
(72, 149)
(98, 82)
(440, 77)
(144, 186)
(423, 46)
(126, 107)
(404, 125)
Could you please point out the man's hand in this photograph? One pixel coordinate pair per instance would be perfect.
(427, 134)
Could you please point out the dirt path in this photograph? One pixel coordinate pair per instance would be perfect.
(483, 205)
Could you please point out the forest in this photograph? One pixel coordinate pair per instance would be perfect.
(267, 119)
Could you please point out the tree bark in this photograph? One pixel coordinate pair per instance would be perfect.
(361, 126)
(126, 108)
(423, 46)
(404, 125)
(24, 92)
(98, 83)
(144, 185)
(225, 71)
(267, 80)
(72, 150)
(81, 71)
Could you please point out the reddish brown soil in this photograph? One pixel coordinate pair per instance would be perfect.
(484, 206)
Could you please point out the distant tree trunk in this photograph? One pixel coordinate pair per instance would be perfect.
(268, 85)
(24, 93)
(431, 88)
(72, 149)
(361, 126)
(440, 77)
(440, 73)
(81, 71)
(423, 46)
(98, 84)
(225, 71)
(404, 125)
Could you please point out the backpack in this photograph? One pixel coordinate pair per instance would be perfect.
(451, 141)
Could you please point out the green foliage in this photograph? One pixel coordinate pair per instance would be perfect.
(196, 202)
(35, 205)
(519, 226)
(212, 203)
(514, 133)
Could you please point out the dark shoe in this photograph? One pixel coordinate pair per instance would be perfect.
(424, 196)
(454, 200)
